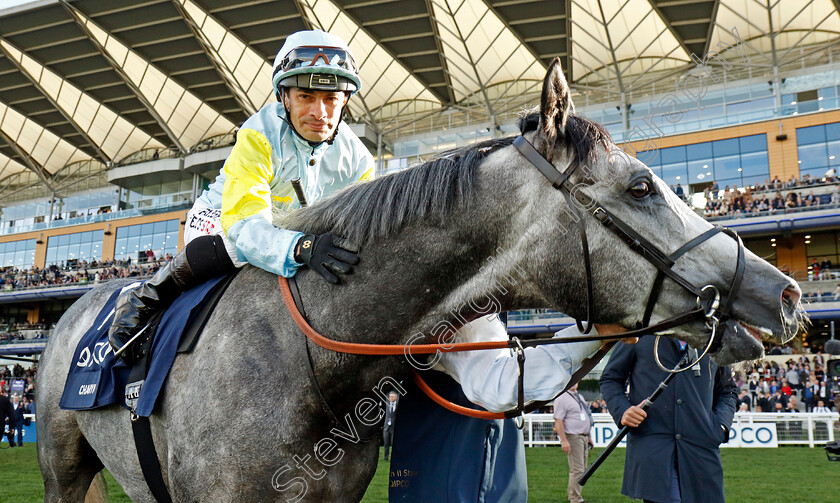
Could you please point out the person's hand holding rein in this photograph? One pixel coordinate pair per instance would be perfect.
(327, 255)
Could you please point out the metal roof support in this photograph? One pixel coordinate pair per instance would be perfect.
(655, 8)
(812, 30)
(340, 6)
(639, 55)
(757, 51)
(239, 94)
(416, 119)
(514, 31)
(450, 91)
(472, 62)
(707, 46)
(614, 60)
(75, 14)
(777, 82)
(30, 163)
(53, 102)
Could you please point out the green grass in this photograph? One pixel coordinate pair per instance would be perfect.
(751, 475)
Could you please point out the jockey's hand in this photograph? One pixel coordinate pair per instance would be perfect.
(327, 255)
(615, 330)
(633, 416)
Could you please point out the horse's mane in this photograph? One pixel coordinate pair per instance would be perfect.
(382, 207)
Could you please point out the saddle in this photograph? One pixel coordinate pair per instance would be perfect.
(97, 378)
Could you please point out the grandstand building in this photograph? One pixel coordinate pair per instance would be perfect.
(114, 116)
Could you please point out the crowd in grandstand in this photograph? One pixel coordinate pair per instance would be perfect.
(9, 373)
(767, 198)
(799, 385)
(82, 272)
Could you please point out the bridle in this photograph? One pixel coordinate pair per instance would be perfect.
(709, 308)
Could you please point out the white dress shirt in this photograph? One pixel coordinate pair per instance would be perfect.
(490, 378)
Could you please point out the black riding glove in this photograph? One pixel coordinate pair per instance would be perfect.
(327, 255)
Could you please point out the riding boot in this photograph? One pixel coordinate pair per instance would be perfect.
(135, 307)
(202, 259)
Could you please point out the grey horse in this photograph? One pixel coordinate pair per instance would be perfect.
(475, 230)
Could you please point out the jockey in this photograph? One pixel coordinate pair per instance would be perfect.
(300, 136)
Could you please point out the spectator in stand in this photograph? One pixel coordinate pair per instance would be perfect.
(786, 389)
(680, 192)
(7, 412)
(792, 376)
(821, 408)
(763, 403)
(744, 399)
(809, 394)
(825, 269)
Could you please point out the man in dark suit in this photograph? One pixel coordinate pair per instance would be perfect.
(673, 449)
(7, 411)
(20, 409)
(390, 417)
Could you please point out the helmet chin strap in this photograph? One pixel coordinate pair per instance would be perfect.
(313, 144)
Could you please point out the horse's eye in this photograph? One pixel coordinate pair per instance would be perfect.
(640, 189)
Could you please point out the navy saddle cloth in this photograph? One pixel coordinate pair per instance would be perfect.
(98, 378)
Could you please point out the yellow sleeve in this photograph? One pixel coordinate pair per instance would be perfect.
(248, 173)
(367, 175)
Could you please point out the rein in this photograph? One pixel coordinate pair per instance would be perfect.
(515, 344)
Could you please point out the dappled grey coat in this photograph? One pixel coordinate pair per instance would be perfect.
(684, 421)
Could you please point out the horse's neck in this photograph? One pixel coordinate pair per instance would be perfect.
(413, 281)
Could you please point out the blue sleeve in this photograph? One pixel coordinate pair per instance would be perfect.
(725, 397)
(614, 380)
(266, 246)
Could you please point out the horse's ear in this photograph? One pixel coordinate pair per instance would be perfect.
(555, 104)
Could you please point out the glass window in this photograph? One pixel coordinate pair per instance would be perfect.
(727, 167)
(754, 143)
(674, 174)
(810, 135)
(832, 131)
(699, 171)
(672, 155)
(699, 151)
(755, 164)
(812, 156)
(20, 254)
(160, 237)
(77, 246)
(725, 147)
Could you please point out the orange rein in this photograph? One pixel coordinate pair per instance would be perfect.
(393, 349)
(356, 348)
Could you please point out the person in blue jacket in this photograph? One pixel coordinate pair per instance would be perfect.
(673, 452)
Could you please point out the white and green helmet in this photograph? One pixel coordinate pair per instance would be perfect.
(316, 60)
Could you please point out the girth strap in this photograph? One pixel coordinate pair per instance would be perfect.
(142, 431)
(147, 455)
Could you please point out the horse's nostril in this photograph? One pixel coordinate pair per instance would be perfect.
(791, 295)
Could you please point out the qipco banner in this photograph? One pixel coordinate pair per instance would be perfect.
(745, 435)
(752, 435)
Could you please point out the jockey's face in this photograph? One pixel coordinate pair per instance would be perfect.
(314, 114)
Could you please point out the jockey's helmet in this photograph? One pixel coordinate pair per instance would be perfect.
(317, 60)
